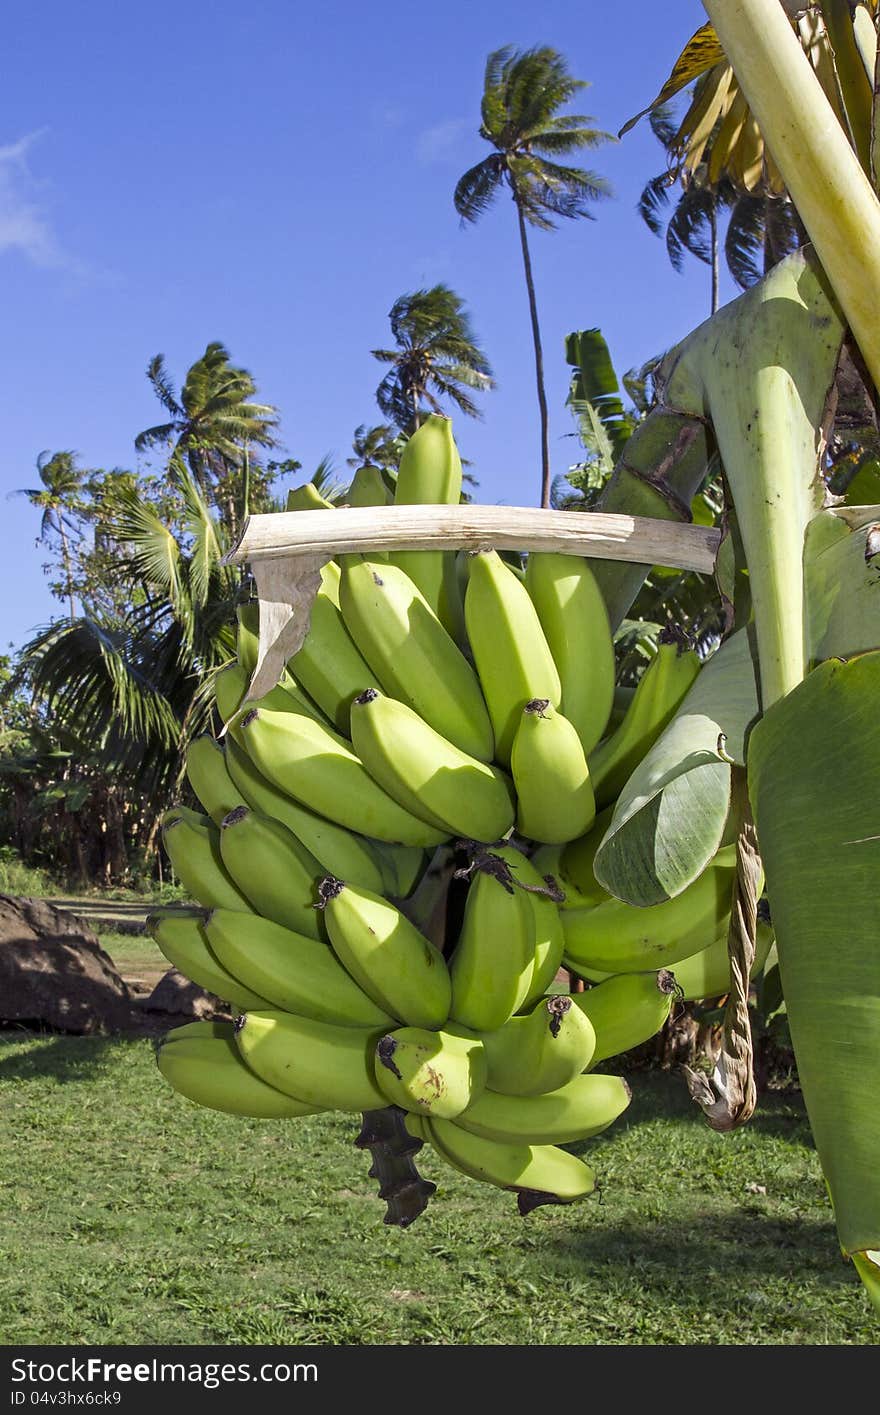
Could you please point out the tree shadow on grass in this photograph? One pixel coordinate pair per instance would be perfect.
(721, 1262)
(61, 1057)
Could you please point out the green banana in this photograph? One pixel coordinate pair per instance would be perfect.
(317, 767)
(660, 692)
(208, 775)
(400, 969)
(367, 488)
(575, 621)
(230, 686)
(205, 1066)
(318, 1062)
(430, 474)
(272, 869)
(181, 937)
(432, 1073)
(583, 1107)
(426, 773)
(510, 651)
(492, 963)
(192, 844)
(412, 655)
(554, 794)
(621, 938)
(307, 498)
(538, 1173)
(540, 1051)
(247, 641)
(626, 1010)
(707, 973)
(341, 852)
(290, 970)
(547, 936)
(329, 665)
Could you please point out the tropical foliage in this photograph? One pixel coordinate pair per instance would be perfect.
(437, 357)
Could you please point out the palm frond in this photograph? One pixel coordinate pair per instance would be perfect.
(654, 201)
(478, 188)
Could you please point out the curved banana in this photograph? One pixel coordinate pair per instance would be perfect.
(658, 696)
(247, 639)
(367, 488)
(540, 1051)
(575, 621)
(492, 963)
(547, 937)
(181, 938)
(431, 1073)
(307, 498)
(329, 664)
(510, 651)
(430, 474)
(554, 794)
(707, 973)
(316, 767)
(208, 775)
(400, 969)
(205, 1066)
(272, 869)
(289, 970)
(426, 773)
(412, 655)
(583, 1107)
(341, 852)
(626, 1010)
(538, 1173)
(318, 1062)
(614, 937)
(192, 844)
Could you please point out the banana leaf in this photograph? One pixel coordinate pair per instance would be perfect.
(671, 816)
(814, 783)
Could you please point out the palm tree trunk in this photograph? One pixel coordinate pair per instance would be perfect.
(539, 360)
(713, 227)
(65, 557)
(415, 402)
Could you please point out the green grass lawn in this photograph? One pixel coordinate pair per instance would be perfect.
(132, 1216)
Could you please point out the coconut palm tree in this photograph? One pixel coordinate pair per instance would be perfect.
(762, 226)
(213, 422)
(523, 91)
(437, 356)
(59, 498)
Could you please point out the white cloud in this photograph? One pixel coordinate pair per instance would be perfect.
(442, 142)
(24, 224)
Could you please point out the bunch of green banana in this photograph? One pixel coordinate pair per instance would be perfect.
(439, 702)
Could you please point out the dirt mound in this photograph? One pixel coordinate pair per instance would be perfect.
(55, 974)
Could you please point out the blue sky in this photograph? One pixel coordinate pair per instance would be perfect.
(274, 176)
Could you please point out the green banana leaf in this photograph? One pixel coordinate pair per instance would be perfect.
(842, 572)
(814, 783)
(595, 383)
(671, 816)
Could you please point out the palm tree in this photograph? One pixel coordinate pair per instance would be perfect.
(522, 93)
(213, 422)
(437, 356)
(58, 497)
(762, 226)
(378, 446)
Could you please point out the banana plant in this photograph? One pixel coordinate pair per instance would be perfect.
(789, 703)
